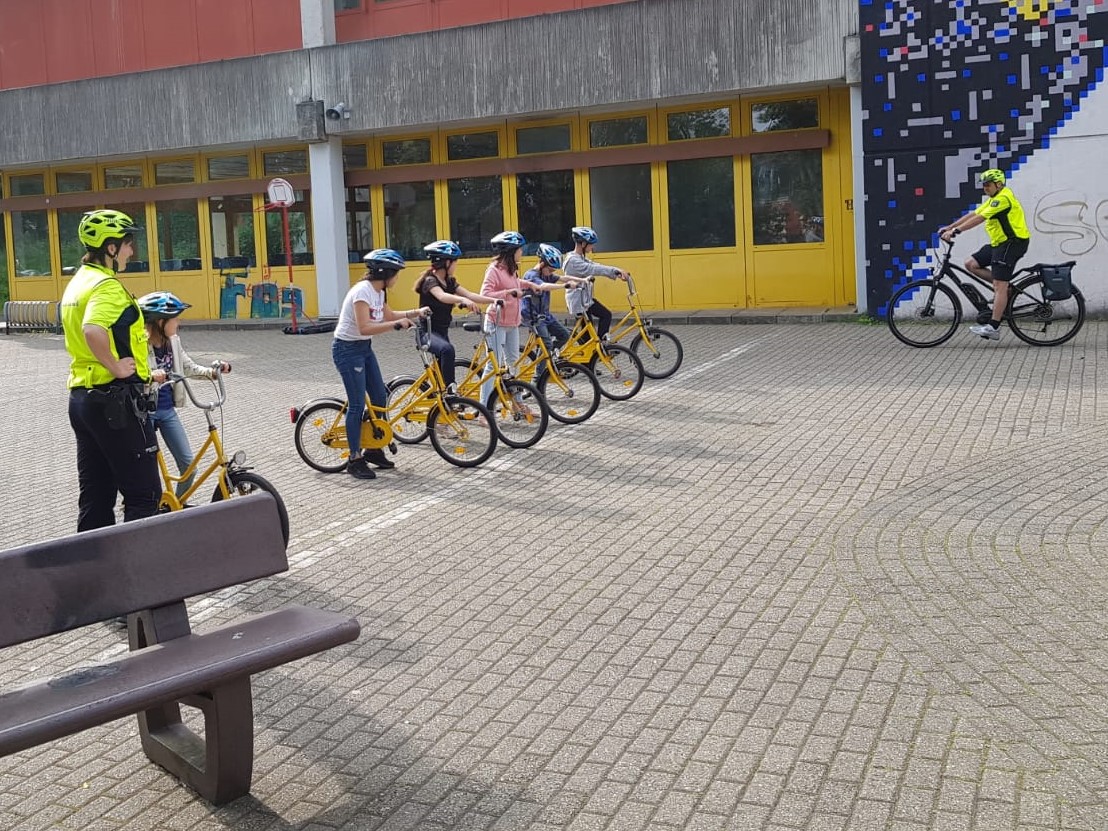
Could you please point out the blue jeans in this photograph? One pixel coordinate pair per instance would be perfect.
(356, 363)
(444, 353)
(506, 344)
(169, 425)
(553, 333)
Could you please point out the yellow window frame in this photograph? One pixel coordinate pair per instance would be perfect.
(501, 142)
(378, 155)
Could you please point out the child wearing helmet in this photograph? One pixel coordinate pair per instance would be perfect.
(440, 292)
(1004, 220)
(365, 312)
(502, 282)
(108, 374)
(535, 307)
(578, 264)
(161, 311)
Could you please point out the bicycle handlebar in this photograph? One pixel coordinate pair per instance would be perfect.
(174, 378)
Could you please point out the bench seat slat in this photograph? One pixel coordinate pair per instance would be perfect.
(50, 709)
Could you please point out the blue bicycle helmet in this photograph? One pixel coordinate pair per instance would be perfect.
(161, 305)
(384, 262)
(585, 234)
(507, 241)
(550, 255)
(442, 250)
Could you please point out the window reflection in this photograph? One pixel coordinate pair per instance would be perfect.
(123, 176)
(546, 208)
(232, 226)
(696, 124)
(300, 233)
(410, 217)
(622, 203)
(550, 139)
(359, 224)
(178, 231)
(71, 248)
(31, 243)
(785, 115)
(702, 203)
(476, 213)
(787, 197)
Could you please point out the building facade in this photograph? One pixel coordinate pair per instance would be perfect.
(709, 142)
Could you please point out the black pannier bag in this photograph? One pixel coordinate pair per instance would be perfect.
(1057, 283)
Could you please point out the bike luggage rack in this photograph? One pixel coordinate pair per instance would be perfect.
(32, 316)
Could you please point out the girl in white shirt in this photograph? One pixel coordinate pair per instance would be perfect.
(365, 312)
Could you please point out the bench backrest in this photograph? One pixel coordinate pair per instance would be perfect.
(65, 583)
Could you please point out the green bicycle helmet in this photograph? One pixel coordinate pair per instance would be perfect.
(992, 175)
(103, 226)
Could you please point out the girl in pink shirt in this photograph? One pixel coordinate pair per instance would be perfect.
(502, 281)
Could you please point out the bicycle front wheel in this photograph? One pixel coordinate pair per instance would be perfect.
(412, 428)
(520, 414)
(661, 355)
(572, 393)
(924, 313)
(461, 431)
(321, 436)
(618, 372)
(244, 482)
(1041, 322)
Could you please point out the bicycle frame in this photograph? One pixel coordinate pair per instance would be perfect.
(949, 270)
(415, 404)
(631, 323)
(218, 466)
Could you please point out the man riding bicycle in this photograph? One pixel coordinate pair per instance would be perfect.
(1009, 238)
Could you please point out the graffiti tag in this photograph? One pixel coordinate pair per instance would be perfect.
(1076, 223)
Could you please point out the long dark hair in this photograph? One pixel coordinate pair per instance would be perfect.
(508, 260)
(417, 287)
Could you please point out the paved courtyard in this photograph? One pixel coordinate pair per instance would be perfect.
(817, 580)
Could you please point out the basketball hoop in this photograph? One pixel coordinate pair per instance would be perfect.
(281, 194)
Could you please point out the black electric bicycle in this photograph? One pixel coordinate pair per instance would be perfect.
(1042, 310)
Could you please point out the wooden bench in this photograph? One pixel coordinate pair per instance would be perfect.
(32, 316)
(146, 569)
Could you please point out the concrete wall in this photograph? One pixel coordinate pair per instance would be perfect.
(600, 57)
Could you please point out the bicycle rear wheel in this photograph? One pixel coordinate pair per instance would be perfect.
(1041, 322)
(412, 428)
(661, 356)
(462, 433)
(320, 436)
(618, 371)
(244, 482)
(924, 313)
(521, 420)
(572, 393)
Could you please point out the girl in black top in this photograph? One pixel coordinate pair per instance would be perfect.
(439, 290)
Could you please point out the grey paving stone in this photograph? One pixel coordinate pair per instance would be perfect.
(817, 580)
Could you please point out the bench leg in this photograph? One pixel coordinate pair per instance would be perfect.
(219, 765)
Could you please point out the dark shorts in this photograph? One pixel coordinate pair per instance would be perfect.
(1001, 259)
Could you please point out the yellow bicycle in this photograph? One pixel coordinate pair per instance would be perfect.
(233, 477)
(658, 349)
(517, 407)
(460, 428)
(617, 369)
(571, 391)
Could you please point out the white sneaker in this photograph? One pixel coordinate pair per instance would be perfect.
(986, 331)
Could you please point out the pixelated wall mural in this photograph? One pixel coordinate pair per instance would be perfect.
(951, 87)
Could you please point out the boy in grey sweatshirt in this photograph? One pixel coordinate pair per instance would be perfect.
(577, 264)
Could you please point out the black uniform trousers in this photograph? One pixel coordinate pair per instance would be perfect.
(120, 458)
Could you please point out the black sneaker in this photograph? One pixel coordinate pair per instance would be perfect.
(378, 458)
(359, 469)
